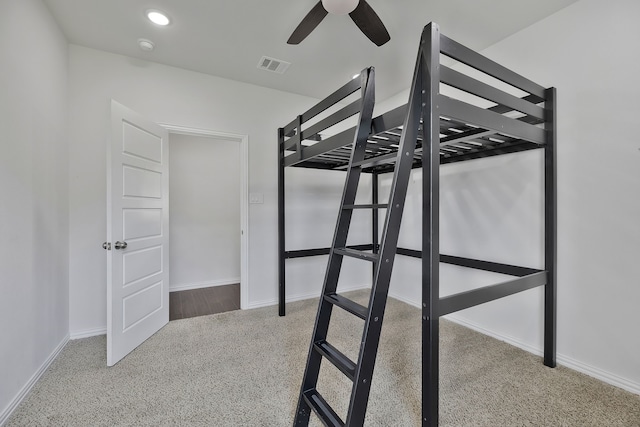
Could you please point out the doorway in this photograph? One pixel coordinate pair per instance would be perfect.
(208, 176)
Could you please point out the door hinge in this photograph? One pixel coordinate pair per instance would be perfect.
(106, 246)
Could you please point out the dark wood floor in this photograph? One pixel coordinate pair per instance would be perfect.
(200, 302)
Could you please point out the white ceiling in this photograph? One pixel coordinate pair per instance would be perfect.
(227, 38)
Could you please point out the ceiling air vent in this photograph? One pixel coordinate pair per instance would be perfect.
(273, 65)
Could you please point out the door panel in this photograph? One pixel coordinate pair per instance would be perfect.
(141, 305)
(141, 264)
(141, 223)
(144, 183)
(138, 219)
(139, 143)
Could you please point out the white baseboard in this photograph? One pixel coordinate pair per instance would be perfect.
(206, 284)
(598, 373)
(566, 361)
(300, 297)
(508, 339)
(88, 333)
(24, 392)
(404, 300)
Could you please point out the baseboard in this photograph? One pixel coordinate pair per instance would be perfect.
(508, 339)
(300, 297)
(566, 361)
(206, 284)
(88, 333)
(404, 300)
(24, 392)
(598, 373)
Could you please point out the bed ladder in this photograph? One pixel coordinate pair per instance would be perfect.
(382, 257)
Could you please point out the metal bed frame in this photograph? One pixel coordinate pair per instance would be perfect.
(451, 131)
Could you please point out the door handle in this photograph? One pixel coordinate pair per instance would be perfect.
(120, 245)
(106, 246)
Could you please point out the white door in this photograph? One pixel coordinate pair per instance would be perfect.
(137, 231)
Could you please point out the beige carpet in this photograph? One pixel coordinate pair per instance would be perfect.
(244, 368)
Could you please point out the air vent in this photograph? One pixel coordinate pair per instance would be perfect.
(273, 65)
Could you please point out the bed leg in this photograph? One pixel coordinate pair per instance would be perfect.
(374, 218)
(281, 250)
(430, 80)
(550, 232)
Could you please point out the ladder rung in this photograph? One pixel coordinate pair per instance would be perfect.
(356, 254)
(374, 206)
(348, 305)
(322, 408)
(336, 357)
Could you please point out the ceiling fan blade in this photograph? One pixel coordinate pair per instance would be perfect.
(369, 23)
(308, 24)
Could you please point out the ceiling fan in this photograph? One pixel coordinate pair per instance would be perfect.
(360, 12)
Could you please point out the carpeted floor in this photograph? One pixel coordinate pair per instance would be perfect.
(244, 368)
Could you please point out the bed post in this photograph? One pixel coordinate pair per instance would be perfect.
(374, 216)
(430, 46)
(281, 250)
(550, 228)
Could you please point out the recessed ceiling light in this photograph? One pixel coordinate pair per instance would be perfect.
(157, 17)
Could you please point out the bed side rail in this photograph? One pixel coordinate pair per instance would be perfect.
(307, 126)
(490, 96)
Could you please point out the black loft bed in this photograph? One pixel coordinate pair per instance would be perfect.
(451, 130)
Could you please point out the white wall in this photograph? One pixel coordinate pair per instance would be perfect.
(312, 201)
(204, 206)
(493, 207)
(184, 98)
(34, 255)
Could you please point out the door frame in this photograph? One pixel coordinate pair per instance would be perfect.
(243, 140)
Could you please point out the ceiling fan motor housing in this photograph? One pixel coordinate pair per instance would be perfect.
(340, 7)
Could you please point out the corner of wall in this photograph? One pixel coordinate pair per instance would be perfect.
(24, 391)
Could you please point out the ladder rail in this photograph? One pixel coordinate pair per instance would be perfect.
(388, 247)
(334, 264)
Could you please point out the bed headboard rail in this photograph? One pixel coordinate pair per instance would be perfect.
(328, 113)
